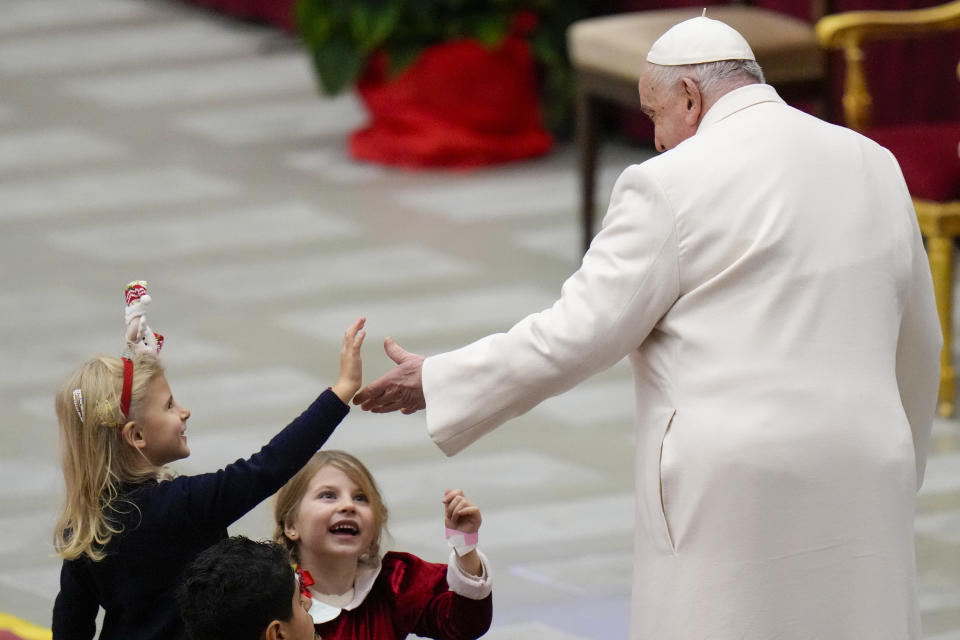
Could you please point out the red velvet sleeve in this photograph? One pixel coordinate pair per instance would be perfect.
(427, 606)
(453, 617)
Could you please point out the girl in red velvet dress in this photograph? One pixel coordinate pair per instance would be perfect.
(330, 516)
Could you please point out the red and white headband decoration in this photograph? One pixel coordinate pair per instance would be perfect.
(138, 338)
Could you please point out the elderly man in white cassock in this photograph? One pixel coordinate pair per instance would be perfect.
(765, 276)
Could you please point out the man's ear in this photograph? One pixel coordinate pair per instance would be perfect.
(274, 631)
(133, 435)
(693, 102)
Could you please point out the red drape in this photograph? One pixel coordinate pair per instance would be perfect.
(459, 105)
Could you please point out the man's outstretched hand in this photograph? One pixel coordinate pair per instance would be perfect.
(400, 389)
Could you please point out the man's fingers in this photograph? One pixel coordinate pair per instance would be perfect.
(385, 395)
(374, 397)
(397, 353)
(385, 407)
(386, 402)
(388, 405)
(368, 394)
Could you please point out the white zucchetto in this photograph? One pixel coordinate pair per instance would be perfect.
(699, 40)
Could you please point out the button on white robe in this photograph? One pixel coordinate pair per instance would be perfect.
(767, 280)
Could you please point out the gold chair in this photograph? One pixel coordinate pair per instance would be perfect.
(607, 54)
(928, 153)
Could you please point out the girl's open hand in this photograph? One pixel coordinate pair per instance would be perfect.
(460, 513)
(351, 365)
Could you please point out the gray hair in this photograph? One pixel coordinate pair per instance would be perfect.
(710, 77)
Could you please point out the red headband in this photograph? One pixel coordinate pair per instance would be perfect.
(139, 337)
(127, 387)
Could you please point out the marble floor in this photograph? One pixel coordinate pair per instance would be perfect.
(141, 139)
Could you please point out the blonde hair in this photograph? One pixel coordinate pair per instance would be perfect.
(96, 460)
(290, 495)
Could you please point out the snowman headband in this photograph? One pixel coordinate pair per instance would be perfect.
(138, 338)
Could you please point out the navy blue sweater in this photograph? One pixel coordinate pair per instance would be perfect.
(173, 522)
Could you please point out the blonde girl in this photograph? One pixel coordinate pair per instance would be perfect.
(331, 518)
(128, 527)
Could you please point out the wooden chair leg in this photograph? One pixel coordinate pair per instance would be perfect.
(940, 251)
(586, 121)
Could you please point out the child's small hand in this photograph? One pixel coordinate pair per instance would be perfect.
(351, 365)
(460, 513)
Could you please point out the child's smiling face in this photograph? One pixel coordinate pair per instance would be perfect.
(334, 517)
(162, 424)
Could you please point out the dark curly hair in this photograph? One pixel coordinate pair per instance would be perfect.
(235, 589)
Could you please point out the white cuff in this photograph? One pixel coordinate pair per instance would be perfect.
(466, 585)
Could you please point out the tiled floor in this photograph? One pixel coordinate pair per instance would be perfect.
(143, 139)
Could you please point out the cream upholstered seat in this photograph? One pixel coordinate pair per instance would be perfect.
(618, 44)
(608, 52)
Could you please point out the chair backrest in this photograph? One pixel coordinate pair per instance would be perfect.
(810, 10)
(851, 32)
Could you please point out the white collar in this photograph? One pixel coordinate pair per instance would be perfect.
(366, 575)
(736, 100)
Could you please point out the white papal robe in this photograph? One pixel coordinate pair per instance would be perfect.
(767, 280)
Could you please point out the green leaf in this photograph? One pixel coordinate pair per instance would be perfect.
(371, 23)
(338, 64)
(316, 19)
(490, 30)
(401, 56)
(383, 24)
(545, 50)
